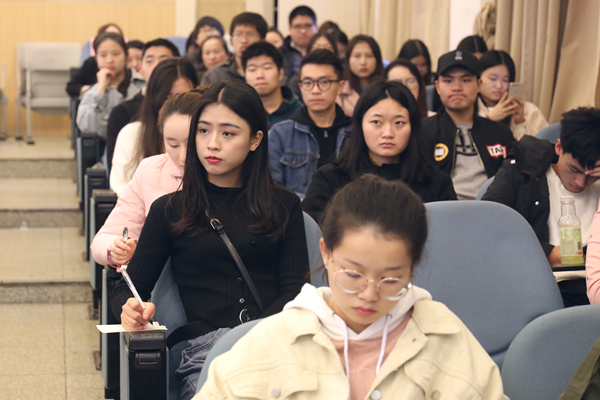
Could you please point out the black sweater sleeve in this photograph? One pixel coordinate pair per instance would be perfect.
(119, 117)
(85, 76)
(293, 268)
(321, 189)
(152, 252)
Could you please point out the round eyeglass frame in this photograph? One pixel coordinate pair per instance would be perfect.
(401, 293)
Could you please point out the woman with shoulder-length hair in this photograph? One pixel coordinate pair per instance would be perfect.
(226, 187)
(384, 141)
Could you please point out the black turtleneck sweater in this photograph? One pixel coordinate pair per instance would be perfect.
(209, 282)
(327, 180)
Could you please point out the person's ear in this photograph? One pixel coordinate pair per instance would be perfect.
(341, 86)
(325, 253)
(281, 74)
(437, 85)
(255, 140)
(558, 148)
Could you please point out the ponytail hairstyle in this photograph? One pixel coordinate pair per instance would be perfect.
(150, 141)
(115, 37)
(391, 208)
(354, 80)
(355, 159)
(256, 195)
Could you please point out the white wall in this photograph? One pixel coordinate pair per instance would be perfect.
(462, 17)
(346, 13)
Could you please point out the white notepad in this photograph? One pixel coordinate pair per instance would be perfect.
(117, 328)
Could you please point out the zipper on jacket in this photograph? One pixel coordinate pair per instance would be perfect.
(326, 134)
(454, 156)
(477, 150)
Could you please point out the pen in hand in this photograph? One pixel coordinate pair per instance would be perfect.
(129, 281)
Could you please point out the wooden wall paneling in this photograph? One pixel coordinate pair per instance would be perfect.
(224, 11)
(71, 21)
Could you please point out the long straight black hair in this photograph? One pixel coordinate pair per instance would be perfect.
(350, 77)
(257, 194)
(355, 159)
(118, 39)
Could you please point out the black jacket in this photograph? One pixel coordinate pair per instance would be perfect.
(120, 116)
(521, 184)
(291, 58)
(327, 180)
(493, 141)
(86, 75)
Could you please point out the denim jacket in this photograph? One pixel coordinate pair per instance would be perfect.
(294, 154)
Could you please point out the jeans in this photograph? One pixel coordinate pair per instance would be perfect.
(192, 361)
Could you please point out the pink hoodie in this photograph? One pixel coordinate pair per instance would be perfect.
(592, 262)
(153, 178)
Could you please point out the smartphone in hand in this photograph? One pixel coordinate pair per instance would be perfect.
(516, 89)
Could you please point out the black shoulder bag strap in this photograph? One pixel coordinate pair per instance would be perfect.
(217, 226)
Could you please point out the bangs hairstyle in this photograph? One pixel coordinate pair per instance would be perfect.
(349, 75)
(256, 195)
(115, 37)
(207, 21)
(355, 159)
(251, 19)
(302, 11)
(262, 49)
(580, 135)
(323, 57)
(160, 42)
(150, 142)
(493, 58)
(330, 38)
(402, 62)
(389, 207)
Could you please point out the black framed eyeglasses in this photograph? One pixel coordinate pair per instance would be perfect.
(323, 84)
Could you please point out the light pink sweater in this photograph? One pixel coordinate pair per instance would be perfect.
(153, 178)
(592, 262)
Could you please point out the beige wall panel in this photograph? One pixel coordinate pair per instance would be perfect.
(224, 11)
(71, 21)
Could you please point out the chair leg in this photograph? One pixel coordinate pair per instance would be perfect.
(19, 105)
(29, 139)
(3, 135)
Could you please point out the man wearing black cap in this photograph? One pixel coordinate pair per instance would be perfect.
(462, 144)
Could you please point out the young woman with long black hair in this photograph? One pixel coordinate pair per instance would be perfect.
(226, 178)
(384, 141)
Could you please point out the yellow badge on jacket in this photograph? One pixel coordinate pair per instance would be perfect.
(440, 152)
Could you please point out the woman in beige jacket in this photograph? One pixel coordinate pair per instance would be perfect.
(497, 71)
(371, 334)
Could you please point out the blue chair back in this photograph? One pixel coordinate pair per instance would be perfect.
(544, 356)
(550, 133)
(483, 261)
(179, 41)
(484, 188)
(170, 312)
(85, 51)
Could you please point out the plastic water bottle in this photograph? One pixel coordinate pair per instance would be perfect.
(569, 225)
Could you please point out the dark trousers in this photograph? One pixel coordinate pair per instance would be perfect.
(574, 292)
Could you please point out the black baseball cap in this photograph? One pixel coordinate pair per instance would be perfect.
(458, 58)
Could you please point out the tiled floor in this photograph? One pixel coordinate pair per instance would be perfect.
(44, 193)
(45, 147)
(47, 353)
(56, 256)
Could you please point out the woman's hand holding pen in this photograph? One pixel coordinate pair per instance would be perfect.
(134, 317)
(121, 252)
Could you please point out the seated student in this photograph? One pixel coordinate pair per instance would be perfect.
(363, 66)
(417, 53)
(143, 138)
(384, 141)
(246, 28)
(263, 70)
(537, 173)
(462, 144)
(153, 178)
(135, 49)
(85, 77)
(205, 27)
(474, 45)
(113, 87)
(405, 72)
(213, 51)
(497, 71)
(321, 40)
(371, 334)
(154, 52)
(302, 27)
(315, 135)
(274, 37)
(227, 178)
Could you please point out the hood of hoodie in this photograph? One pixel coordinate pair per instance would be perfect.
(290, 100)
(533, 155)
(316, 300)
(341, 120)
